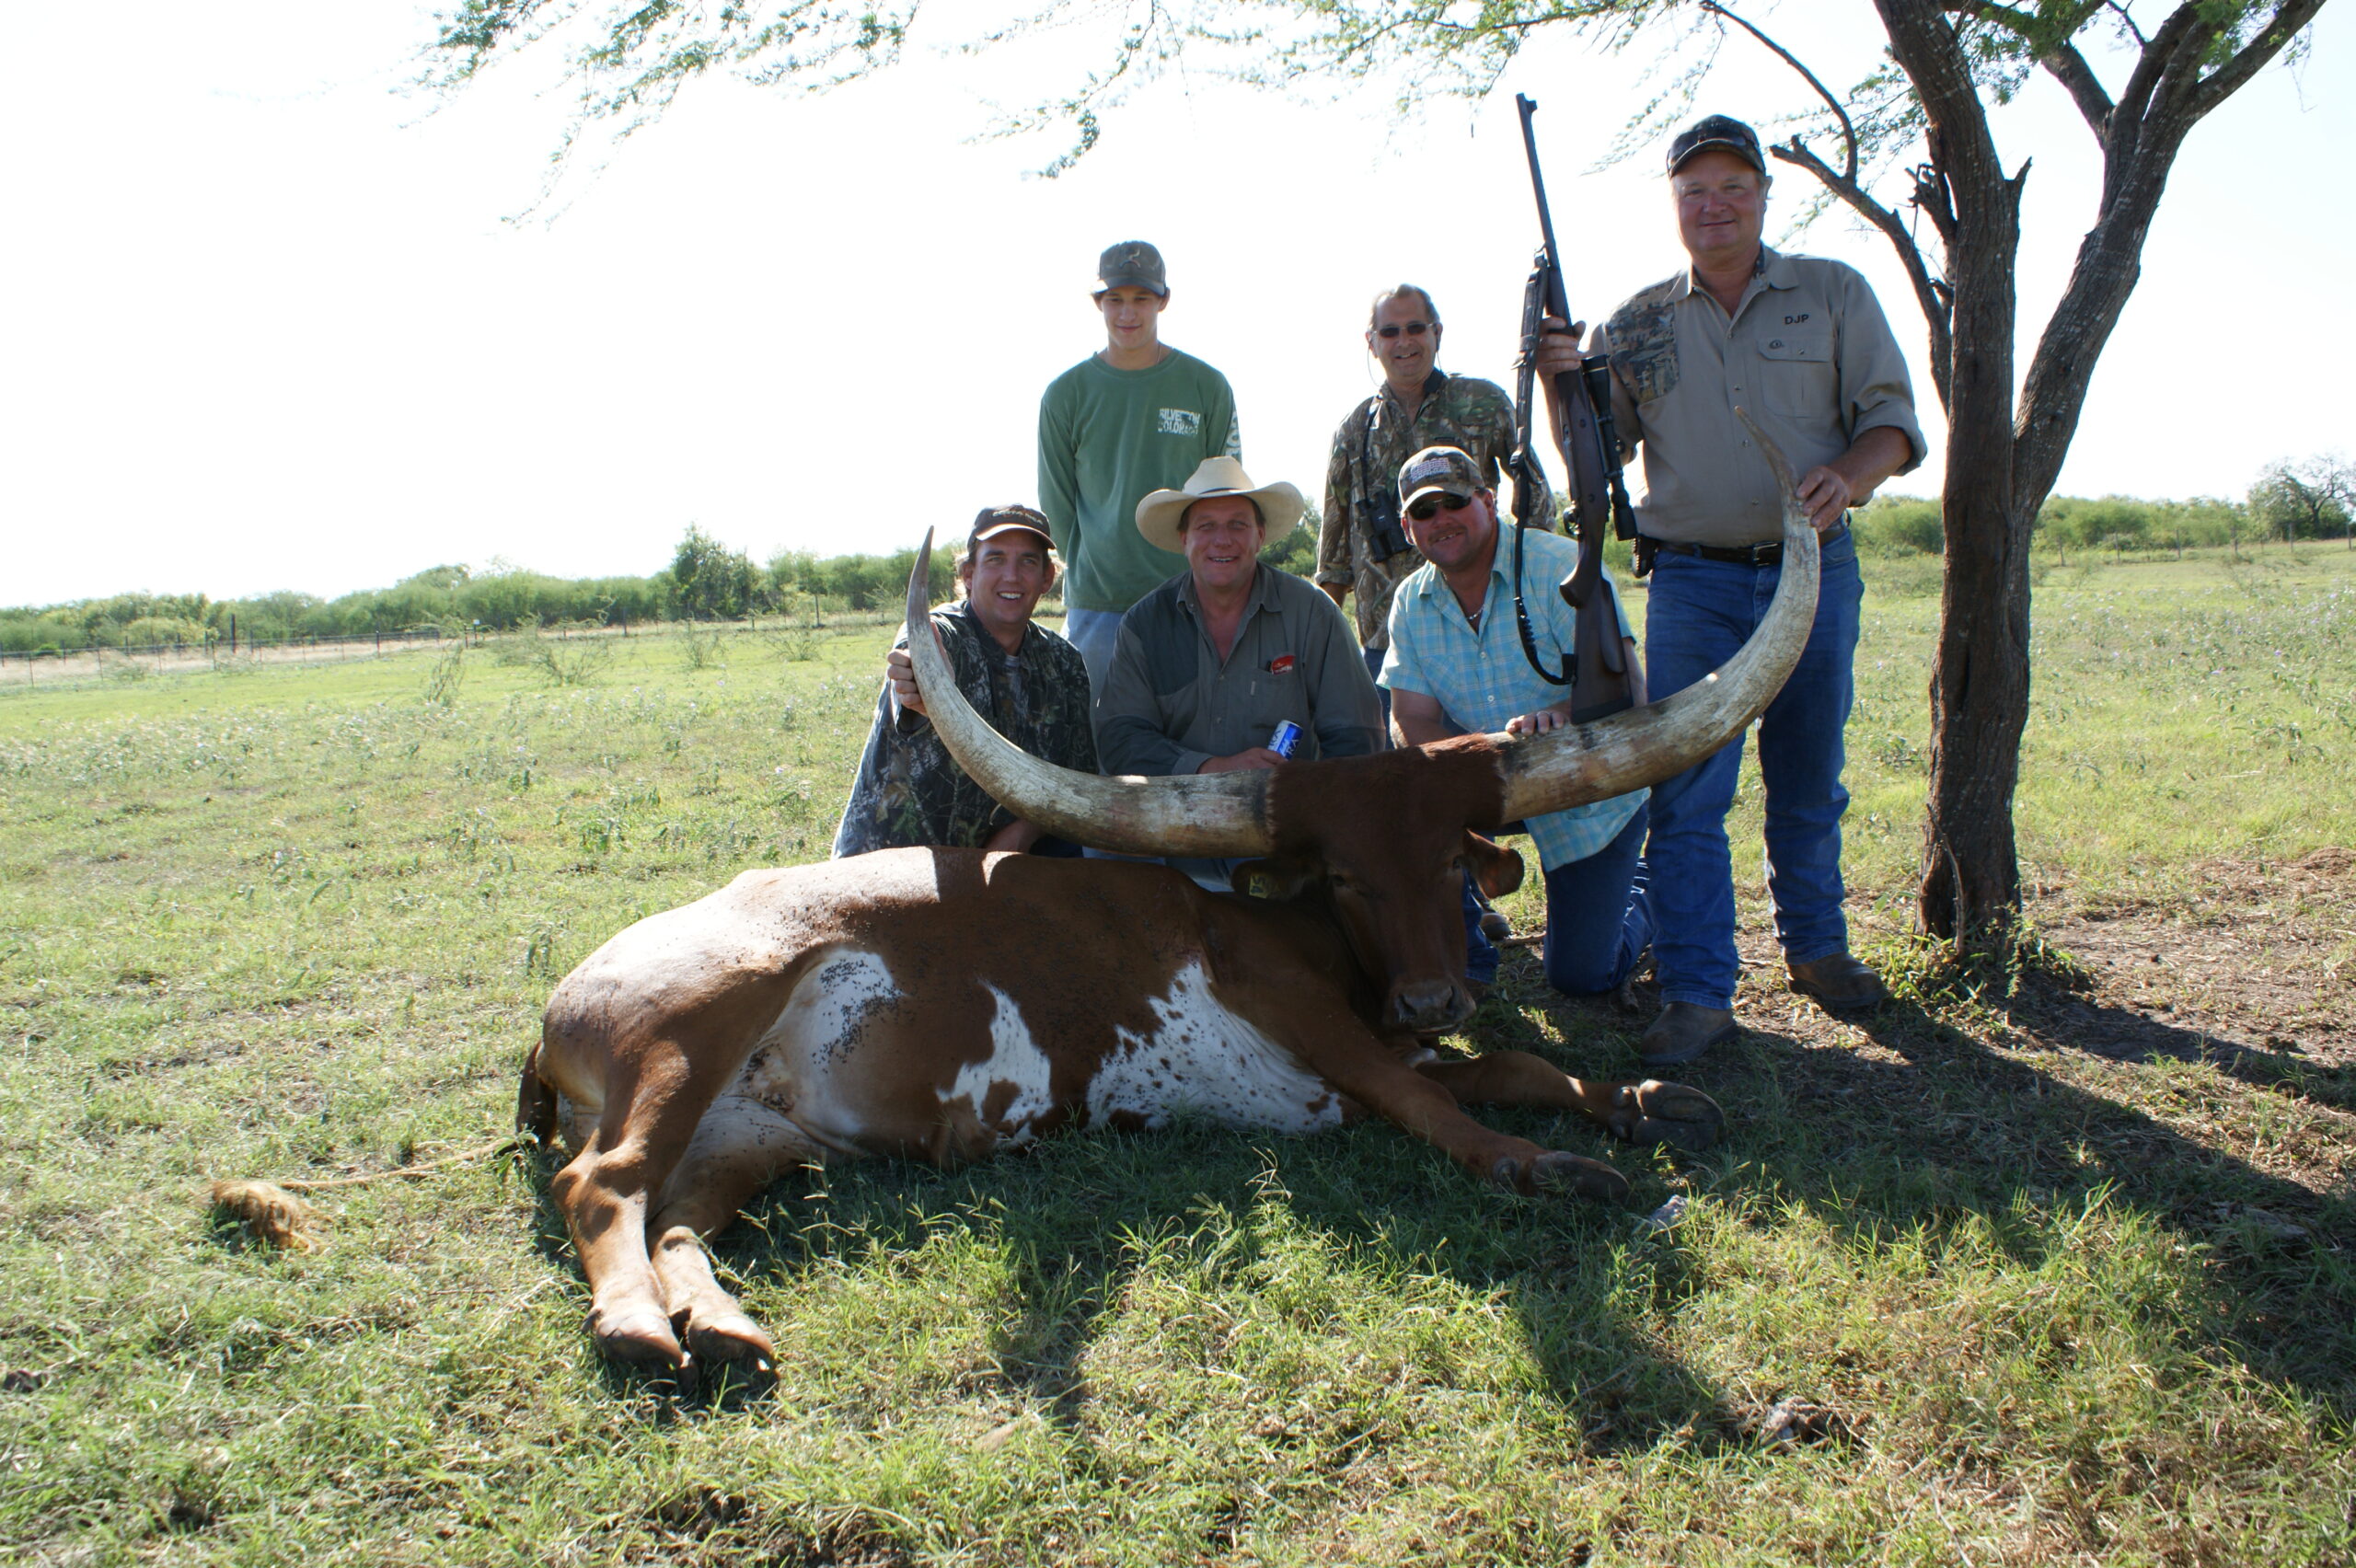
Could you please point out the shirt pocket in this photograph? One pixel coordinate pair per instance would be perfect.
(1797, 374)
(1276, 694)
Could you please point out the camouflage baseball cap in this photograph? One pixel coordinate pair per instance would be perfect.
(1716, 131)
(1131, 263)
(1439, 470)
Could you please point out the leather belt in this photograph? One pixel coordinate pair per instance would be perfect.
(1770, 554)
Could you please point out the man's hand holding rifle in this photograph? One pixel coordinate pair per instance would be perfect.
(1578, 405)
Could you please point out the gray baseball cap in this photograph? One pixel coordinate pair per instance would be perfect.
(1131, 264)
(1716, 131)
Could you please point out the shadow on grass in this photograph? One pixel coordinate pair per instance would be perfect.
(1078, 1216)
(2122, 1034)
(1960, 1126)
(1875, 1148)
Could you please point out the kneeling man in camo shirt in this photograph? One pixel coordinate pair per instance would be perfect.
(1029, 682)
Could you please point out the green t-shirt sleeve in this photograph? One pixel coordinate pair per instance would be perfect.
(1059, 472)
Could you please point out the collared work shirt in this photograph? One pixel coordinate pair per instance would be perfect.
(1808, 353)
(1171, 704)
(1474, 415)
(1481, 678)
(911, 791)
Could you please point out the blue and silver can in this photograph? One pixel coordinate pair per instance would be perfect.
(1286, 737)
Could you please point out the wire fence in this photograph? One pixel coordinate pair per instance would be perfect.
(137, 661)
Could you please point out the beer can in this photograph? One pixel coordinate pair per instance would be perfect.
(1286, 737)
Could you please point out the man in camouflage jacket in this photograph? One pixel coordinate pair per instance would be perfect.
(1417, 406)
(1029, 682)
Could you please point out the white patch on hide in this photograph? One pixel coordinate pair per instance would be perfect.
(1203, 1058)
(576, 1123)
(794, 1068)
(1016, 1060)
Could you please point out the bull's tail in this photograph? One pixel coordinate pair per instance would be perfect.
(535, 1101)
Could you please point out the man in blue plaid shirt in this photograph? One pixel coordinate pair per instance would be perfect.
(1456, 666)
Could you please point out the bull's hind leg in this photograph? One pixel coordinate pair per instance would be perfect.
(1646, 1112)
(740, 1145)
(648, 1123)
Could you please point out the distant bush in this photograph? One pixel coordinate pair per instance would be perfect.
(1893, 524)
(2127, 522)
(1296, 552)
(803, 588)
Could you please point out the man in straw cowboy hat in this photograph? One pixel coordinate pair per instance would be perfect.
(1209, 663)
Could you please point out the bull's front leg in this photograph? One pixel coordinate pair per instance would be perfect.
(1346, 1053)
(1647, 1112)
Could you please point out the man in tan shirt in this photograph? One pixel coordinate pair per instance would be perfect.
(1800, 343)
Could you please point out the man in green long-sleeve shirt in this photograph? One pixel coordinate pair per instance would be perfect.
(1135, 417)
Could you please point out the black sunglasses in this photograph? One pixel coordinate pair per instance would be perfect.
(1428, 507)
(1413, 330)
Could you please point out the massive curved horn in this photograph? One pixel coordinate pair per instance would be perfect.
(1573, 766)
(1205, 815)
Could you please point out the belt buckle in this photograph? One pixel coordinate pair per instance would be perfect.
(1767, 554)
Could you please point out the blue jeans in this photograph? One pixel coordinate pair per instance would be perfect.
(1598, 916)
(1374, 658)
(1096, 633)
(1700, 612)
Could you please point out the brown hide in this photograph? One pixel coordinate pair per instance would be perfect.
(1387, 834)
(945, 1005)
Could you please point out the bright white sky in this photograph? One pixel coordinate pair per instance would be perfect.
(267, 326)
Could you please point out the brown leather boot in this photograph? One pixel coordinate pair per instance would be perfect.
(1840, 983)
(1682, 1032)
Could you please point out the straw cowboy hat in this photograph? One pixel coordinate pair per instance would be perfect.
(1158, 514)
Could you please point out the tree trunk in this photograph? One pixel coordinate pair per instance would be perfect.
(1970, 884)
(2001, 467)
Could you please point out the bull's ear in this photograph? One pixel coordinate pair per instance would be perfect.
(1494, 867)
(1278, 881)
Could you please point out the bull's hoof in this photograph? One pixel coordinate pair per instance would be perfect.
(1653, 1111)
(732, 1339)
(642, 1337)
(1554, 1171)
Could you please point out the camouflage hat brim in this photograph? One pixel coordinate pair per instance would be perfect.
(1720, 133)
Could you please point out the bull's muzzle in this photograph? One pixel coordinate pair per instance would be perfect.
(1429, 1006)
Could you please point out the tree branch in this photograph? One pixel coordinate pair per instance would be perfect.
(2271, 40)
(2069, 68)
(2164, 99)
(2158, 55)
(1848, 130)
(2060, 58)
(1932, 294)
(1933, 57)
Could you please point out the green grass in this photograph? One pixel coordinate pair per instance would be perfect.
(2040, 1303)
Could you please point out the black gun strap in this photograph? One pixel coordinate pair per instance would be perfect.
(1522, 622)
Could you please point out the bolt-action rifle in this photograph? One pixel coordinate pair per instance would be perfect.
(1597, 672)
